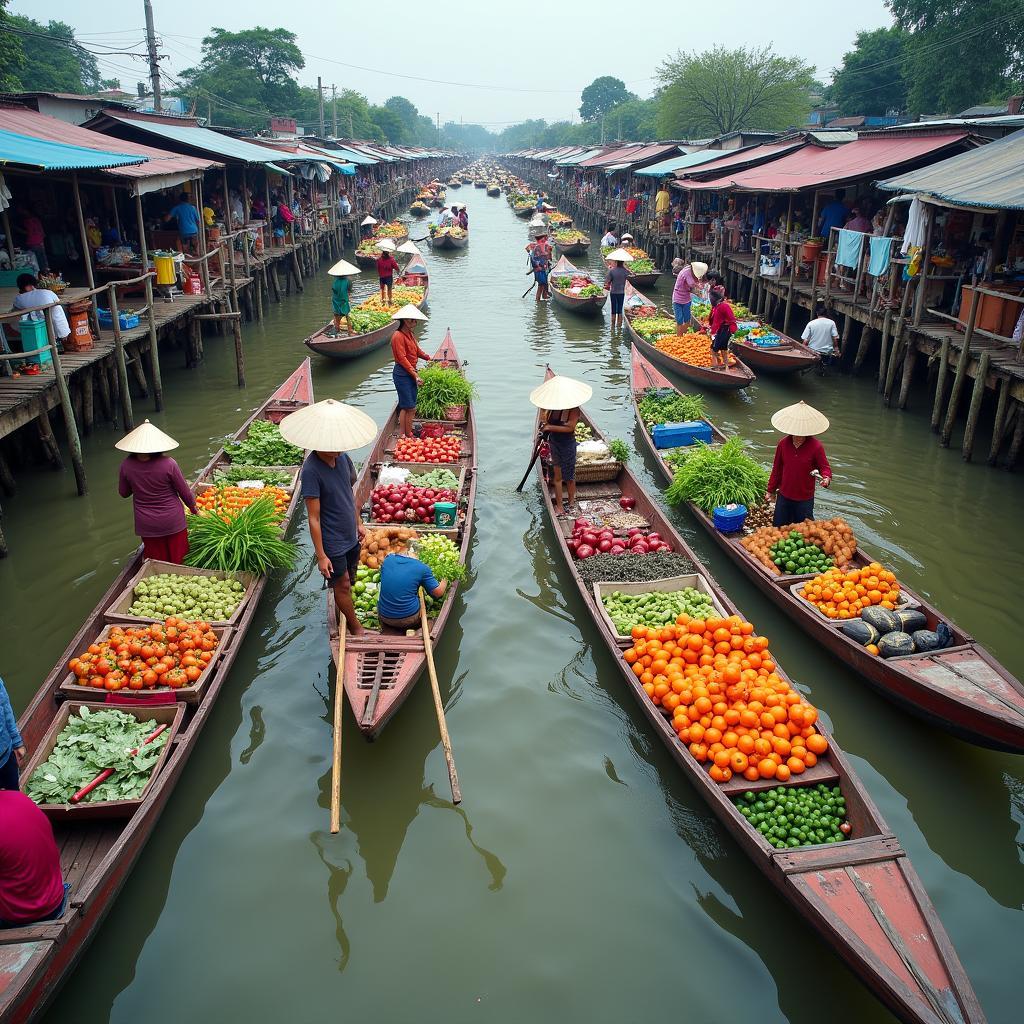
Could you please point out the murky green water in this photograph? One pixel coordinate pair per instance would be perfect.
(582, 878)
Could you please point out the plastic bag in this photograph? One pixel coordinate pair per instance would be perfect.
(392, 475)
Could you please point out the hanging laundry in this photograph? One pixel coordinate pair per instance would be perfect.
(914, 234)
(851, 244)
(881, 253)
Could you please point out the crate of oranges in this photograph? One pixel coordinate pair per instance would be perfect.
(839, 594)
(717, 681)
(227, 500)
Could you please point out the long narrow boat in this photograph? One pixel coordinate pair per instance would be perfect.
(523, 212)
(586, 305)
(731, 379)
(576, 248)
(382, 666)
(351, 346)
(788, 356)
(961, 688)
(862, 895)
(494, 189)
(445, 238)
(98, 853)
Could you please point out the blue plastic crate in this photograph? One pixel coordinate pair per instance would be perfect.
(729, 518)
(125, 320)
(680, 435)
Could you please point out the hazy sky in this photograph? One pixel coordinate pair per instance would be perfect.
(485, 46)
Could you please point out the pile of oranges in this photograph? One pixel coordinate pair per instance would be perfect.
(844, 595)
(693, 348)
(227, 501)
(718, 682)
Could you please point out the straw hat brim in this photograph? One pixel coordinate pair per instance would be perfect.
(369, 220)
(343, 269)
(627, 235)
(408, 312)
(146, 439)
(619, 254)
(329, 426)
(699, 269)
(800, 420)
(385, 244)
(409, 247)
(560, 393)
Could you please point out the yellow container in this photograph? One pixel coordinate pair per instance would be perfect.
(164, 269)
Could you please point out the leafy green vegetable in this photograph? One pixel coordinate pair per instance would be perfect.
(642, 267)
(264, 446)
(591, 291)
(666, 406)
(247, 542)
(442, 556)
(653, 326)
(619, 450)
(442, 388)
(237, 471)
(91, 742)
(364, 320)
(713, 476)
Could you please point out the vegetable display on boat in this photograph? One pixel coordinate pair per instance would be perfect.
(811, 546)
(236, 472)
(445, 448)
(197, 597)
(247, 541)
(263, 445)
(790, 817)
(401, 503)
(442, 388)
(226, 499)
(711, 477)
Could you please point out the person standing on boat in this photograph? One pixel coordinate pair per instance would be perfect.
(540, 264)
(448, 216)
(31, 886)
(12, 746)
(722, 324)
(407, 352)
(559, 399)
(799, 457)
(615, 283)
(158, 490)
(387, 267)
(341, 288)
(688, 279)
(609, 237)
(329, 430)
(463, 218)
(401, 576)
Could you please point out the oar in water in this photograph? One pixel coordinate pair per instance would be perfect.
(107, 772)
(339, 703)
(536, 455)
(442, 725)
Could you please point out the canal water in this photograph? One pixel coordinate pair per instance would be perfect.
(582, 878)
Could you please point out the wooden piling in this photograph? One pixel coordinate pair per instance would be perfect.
(7, 484)
(908, 371)
(999, 424)
(940, 384)
(974, 409)
(154, 349)
(962, 363)
(1018, 439)
(74, 440)
(864, 347)
(127, 418)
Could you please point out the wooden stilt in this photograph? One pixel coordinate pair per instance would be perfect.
(845, 340)
(940, 384)
(1018, 439)
(104, 385)
(999, 424)
(49, 442)
(236, 330)
(908, 371)
(127, 418)
(87, 400)
(962, 363)
(864, 347)
(789, 291)
(74, 440)
(134, 363)
(974, 409)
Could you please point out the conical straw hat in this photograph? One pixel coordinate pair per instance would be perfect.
(699, 269)
(408, 312)
(800, 420)
(385, 244)
(328, 426)
(561, 393)
(343, 269)
(619, 254)
(368, 219)
(409, 247)
(146, 439)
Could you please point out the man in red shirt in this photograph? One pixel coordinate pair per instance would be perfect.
(387, 267)
(722, 325)
(797, 456)
(31, 888)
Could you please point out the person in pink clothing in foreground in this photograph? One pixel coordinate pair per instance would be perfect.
(31, 886)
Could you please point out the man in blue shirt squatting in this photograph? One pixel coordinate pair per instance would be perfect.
(189, 223)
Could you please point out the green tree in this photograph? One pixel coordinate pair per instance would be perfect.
(957, 55)
(354, 120)
(390, 124)
(53, 59)
(871, 79)
(723, 90)
(601, 95)
(634, 120)
(12, 54)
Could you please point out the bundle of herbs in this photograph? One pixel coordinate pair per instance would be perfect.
(658, 407)
(264, 446)
(713, 476)
(442, 388)
(248, 541)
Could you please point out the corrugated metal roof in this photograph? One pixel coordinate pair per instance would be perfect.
(680, 162)
(630, 154)
(818, 167)
(990, 176)
(576, 158)
(735, 159)
(1000, 121)
(47, 155)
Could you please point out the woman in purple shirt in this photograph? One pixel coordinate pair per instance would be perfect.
(155, 483)
(688, 278)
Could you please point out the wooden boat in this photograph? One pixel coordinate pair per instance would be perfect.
(733, 378)
(643, 280)
(98, 853)
(523, 212)
(572, 248)
(454, 183)
(862, 895)
(350, 346)
(480, 183)
(789, 356)
(588, 305)
(961, 688)
(446, 240)
(494, 190)
(437, 201)
(382, 666)
(420, 208)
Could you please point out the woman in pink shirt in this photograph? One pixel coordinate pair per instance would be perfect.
(31, 887)
(688, 278)
(155, 483)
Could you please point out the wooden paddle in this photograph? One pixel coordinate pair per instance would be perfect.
(442, 725)
(536, 455)
(339, 703)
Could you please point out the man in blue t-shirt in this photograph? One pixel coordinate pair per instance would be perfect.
(334, 526)
(188, 221)
(834, 215)
(398, 602)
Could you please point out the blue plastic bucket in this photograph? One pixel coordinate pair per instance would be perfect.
(444, 514)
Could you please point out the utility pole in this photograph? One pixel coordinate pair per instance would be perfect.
(438, 128)
(351, 130)
(154, 60)
(320, 103)
(334, 108)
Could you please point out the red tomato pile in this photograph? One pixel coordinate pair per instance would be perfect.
(173, 653)
(445, 448)
(404, 503)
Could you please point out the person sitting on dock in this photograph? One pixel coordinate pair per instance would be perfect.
(401, 576)
(157, 487)
(31, 297)
(12, 746)
(799, 459)
(187, 217)
(31, 886)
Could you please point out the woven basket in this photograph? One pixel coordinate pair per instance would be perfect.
(597, 472)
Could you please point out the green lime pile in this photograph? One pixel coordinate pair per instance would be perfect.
(790, 816)
(793, 554)
(190, 597)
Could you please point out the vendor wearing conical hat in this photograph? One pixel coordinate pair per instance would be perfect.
(688, 280)
(407, 352)
(155, 484)
(799, 460)
(329, 430)
(559, 399)
(341, 288)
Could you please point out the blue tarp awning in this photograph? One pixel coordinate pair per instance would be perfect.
(45, 155)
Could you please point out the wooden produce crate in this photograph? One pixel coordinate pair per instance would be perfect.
(171, 714)
(190, 694)
(671, 583)
(117, 610)
(223, 462)
(460, 469)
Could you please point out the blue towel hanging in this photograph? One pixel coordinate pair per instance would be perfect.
(881, 253)
(849, 249)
